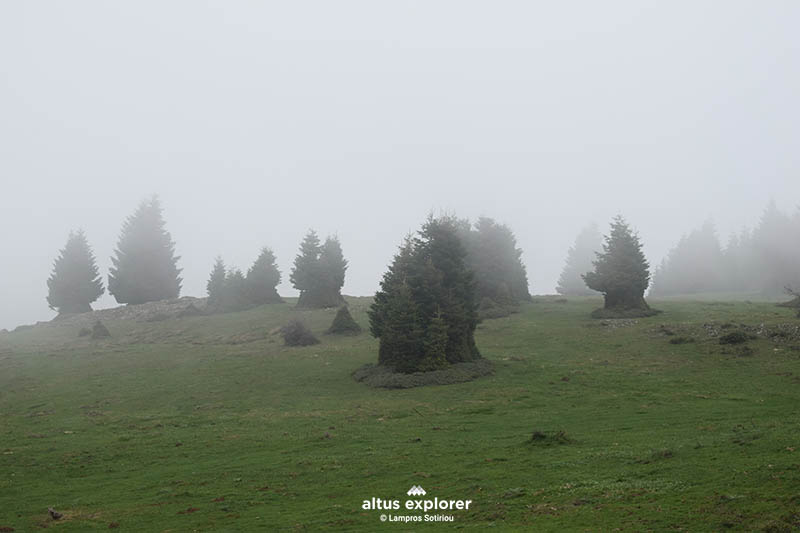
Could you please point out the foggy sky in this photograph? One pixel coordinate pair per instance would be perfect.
(255, 121)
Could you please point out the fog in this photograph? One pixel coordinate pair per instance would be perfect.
(257, 121)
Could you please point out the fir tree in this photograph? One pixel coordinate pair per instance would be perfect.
(75, 282)
(216, 282)
(304, 275)
(145, 266)
(579, 261)
(694, 265)
(621, 272)
(332, 267)
(427, 289)
(493, 256)
(343, 323)
(263, 278)
(235, 295)
(319, 272)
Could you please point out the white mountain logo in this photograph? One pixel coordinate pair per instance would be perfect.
(416, 490)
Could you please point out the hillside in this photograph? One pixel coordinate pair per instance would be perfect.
(210, 423)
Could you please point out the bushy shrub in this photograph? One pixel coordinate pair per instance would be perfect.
(295, 333)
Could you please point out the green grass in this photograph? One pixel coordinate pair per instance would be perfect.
(634, 433)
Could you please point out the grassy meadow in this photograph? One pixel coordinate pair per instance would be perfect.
(210, 424)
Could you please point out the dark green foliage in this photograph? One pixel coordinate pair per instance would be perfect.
(579, 261)
(681, 340)
(99, 331)
(84, 332)
(295, 333)
(216, 282)
(75, 281)
(379, 376)
(492, 254)
(621, 271)
(344, 324)
(263, 278)
(434, 345)
(734, 337)
(145, 266)
(427, 289)
(319, 272)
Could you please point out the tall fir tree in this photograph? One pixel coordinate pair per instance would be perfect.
(319, 272)
(332, 269)
(216, 282)
(579, 261)
(144, 266)
(694, 265)
(621, 272)
(75, 281)
(427, 300)
(492, 254)
(263, 278)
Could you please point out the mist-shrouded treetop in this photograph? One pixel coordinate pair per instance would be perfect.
(75, 281)
(263, 278)
(425, 312)
(694, 265)
(319, 272)
(621, 271)
(580, 260)
(144, 266)
(492, 254)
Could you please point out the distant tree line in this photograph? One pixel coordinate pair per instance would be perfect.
(764, 260)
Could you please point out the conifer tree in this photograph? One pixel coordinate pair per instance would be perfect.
(332, 268)
(263, 278)
(319, 272)
(216, 282)
(621, 273)
(427, 289)
(75, 281)
(493, 256)
(694, 265)
(235, 296)
(579, 261)
(145, 266)
(304, 275)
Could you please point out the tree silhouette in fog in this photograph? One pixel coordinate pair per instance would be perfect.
(75, 281)
(580, 258)
(144, 266)
(319, 272)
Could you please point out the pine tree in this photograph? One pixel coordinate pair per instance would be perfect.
(427, 289)
(492, 254)
(263, 278)
(75, 281)
(343, 323)
(332, 268)
(694, 265)
(145, 266)
(319, 272)
(216, 282)
(579, 261)
(235, 295)
(621, 272)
